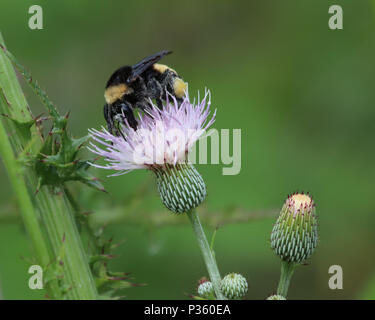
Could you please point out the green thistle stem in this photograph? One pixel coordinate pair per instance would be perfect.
(208, 257)
(23, 198)
(67, 245)
(47, 216)
(287, 270)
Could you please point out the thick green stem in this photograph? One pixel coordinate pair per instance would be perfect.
(208, 257)
(67, 245)
(47, 216)
(287, 270)
(28, 212)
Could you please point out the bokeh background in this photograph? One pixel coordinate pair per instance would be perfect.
(302, 94)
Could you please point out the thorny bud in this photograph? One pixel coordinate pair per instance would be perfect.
(295, 235)
(234, 286)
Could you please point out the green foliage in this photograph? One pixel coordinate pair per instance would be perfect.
(301, 93)
(100, 254)
(56, 162)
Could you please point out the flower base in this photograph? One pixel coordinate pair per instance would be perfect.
(181, 187)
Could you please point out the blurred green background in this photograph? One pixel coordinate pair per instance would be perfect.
(302, 94)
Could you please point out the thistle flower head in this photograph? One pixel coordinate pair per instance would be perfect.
(163, 137)
(234, 286)
(295, 235)
(161, 143)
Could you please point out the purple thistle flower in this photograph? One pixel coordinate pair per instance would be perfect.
(163, 137)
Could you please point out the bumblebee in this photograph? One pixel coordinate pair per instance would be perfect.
(132, 87)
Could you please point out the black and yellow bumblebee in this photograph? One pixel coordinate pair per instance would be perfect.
(132, 87)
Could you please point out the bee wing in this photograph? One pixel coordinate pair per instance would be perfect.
(141, 66)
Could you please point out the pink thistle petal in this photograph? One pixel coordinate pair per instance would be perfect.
(162, 136)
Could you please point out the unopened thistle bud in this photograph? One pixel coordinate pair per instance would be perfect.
(234, 286)
(205, 289)
(294, 237)
(180, 186)
(276, 297)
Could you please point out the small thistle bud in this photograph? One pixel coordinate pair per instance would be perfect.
(205, 289)
(276, 297)
(294, 237)
(180, 186)
(234, 286)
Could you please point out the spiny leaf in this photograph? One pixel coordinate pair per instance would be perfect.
(57, 161)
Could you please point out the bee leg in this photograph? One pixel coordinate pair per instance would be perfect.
(179, 101)
(167, 80)
(108, 118)
(156, 92)
(129, 115)
(159, 103)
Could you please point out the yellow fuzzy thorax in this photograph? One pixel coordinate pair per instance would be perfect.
(114, 93)
(162, 68)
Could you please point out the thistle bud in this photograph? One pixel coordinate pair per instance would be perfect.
(234, 286)
(276, 297)
(294, 237)
(180, 186)
(205, 289)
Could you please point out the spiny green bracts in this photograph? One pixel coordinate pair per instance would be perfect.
(234, 286)
(206, 289)
(276, 297)
(180, 186)
(294, 237)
